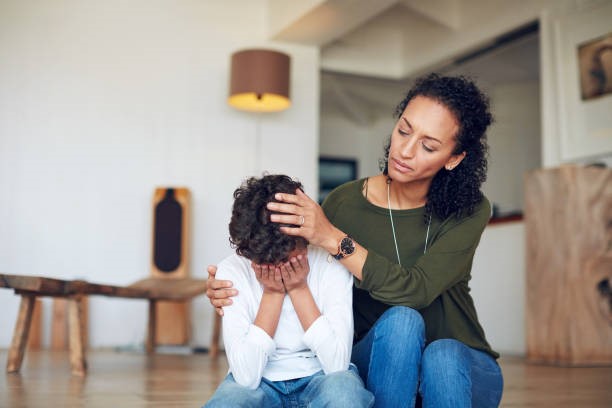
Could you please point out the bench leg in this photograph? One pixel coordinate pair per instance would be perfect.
(152, 327)
(20, 335)
(76, 328)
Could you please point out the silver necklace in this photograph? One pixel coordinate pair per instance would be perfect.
(393, 226)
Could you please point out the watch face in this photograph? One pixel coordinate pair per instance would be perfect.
(347, 246)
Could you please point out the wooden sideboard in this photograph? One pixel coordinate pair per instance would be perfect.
(568, 227)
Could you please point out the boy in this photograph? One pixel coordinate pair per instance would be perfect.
(288, 334)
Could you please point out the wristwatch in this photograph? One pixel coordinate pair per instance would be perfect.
(346, 247)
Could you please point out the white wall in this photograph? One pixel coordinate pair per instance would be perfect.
(102, 101)
(514, 142)
(364, 142)
(357, 117)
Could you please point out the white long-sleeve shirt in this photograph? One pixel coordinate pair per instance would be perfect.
(292, 353)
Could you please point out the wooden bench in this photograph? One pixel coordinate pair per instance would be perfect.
(152, 289)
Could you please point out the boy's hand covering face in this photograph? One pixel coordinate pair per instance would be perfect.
(284, 277)
(295, 271)
(270, 277)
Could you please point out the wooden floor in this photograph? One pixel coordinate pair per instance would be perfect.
(131, 379)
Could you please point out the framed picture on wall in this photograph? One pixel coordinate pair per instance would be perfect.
(595, 64)
(334, 171)
(583, 42)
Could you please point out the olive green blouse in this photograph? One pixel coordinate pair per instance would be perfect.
(435, 282)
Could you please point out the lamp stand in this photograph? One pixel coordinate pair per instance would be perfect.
(258, 150)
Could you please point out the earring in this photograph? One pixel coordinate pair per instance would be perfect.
(449, 167)
(382, 164)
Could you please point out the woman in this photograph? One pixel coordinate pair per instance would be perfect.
(408, 236)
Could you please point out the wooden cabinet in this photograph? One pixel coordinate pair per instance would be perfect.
(568, 226)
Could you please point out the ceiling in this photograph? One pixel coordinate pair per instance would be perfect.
(396, 38)
(363, 98)
(371, 50)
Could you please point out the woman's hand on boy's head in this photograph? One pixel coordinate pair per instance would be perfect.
(308, 216)
(294, 272)
(270, 277)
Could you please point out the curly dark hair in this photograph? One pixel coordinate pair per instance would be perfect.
(456, 192)
(252, 233)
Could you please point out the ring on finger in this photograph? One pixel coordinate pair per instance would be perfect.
(302, 220)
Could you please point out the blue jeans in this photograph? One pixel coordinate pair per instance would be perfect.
(394, 363)
(340, 389)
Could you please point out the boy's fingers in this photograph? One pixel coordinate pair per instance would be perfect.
(295, 263)
(284, 273)
(265, 272)
(288, 268)
(257, 270)
(303, 261)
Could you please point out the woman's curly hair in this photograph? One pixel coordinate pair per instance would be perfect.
(252, 233)
(456, 192)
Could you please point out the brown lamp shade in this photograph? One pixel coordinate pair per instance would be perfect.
(259, 81)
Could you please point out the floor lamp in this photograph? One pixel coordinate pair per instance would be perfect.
(259, 82)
